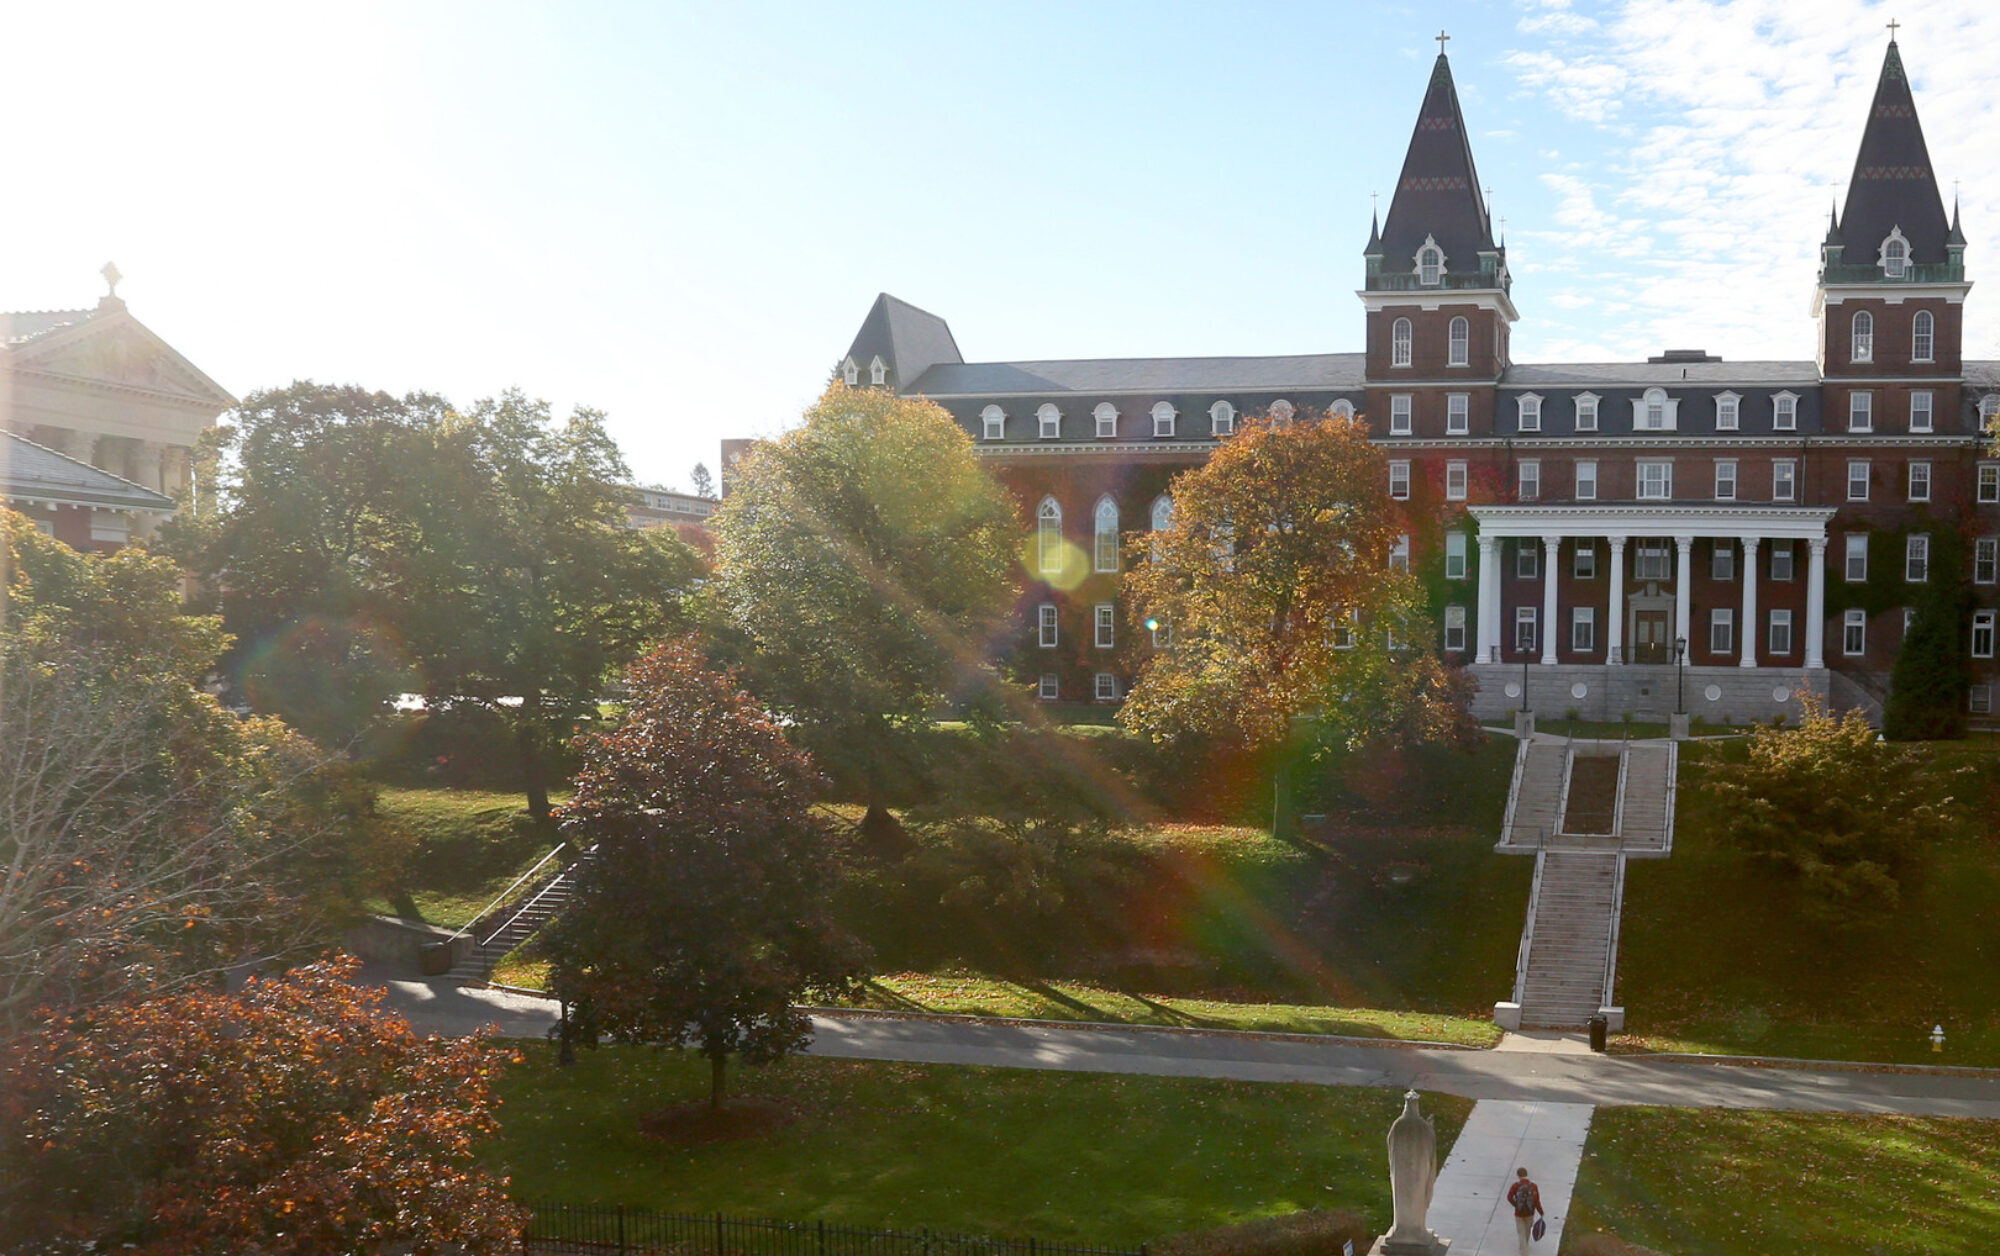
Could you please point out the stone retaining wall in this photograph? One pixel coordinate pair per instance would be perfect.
(1717, 695)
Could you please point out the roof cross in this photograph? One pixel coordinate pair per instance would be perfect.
(1441, 37)
(1894, 25)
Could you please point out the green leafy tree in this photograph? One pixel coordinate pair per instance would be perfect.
(702, 482)
(1274, 582)
(1927, 686)
(866, 558)
(703, 912)
(1837, 808)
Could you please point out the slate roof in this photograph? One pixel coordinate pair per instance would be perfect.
(28, 470)
(1438, 194)
(909, 340)
(1610, 374)
(1299, 372)
(1893, 184)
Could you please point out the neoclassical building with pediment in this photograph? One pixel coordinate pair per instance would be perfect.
(101, 417)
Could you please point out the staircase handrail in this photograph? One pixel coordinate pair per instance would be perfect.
(1528, 929)
(507, 893)
(1611, 942)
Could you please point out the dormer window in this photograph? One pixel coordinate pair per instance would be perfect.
(1107, 420)
(1461, 342)
(1221, 418)
(850, 372)
(1341, 409)
(1430, 263)
(1586, 412)
(1728, 407)
(878, 373)
(1862, 348)
(1048, 420)
(1531, 413)
(1923, 336)
(1399, 343)
(1281, 411)
(1785, 412)
(1655, 412)
(993, 423)
(1163, 419)
(1895, 255)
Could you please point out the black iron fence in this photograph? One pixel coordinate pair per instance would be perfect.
(590, 1231)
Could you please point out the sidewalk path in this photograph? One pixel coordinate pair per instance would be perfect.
(1533, 1077)
(1469, 1206)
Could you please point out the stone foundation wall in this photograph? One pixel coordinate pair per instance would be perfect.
(1736, 695)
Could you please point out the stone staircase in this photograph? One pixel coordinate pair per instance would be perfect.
(1541, 769)
(1569, 944)
(502, 931)
(1646, 813)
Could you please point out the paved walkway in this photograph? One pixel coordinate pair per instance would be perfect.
(1469, 1206)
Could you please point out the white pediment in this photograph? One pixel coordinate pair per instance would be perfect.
(116, 349)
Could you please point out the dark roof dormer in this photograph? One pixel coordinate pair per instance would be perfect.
(1438, 233)
(1893, 227)
(897, 343)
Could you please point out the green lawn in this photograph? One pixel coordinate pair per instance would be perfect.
(1773, 1184)
(466, 845)
(1715, 954)
(1106, 1159)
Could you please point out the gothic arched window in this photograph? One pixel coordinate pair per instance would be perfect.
(1104, 532)
(1399, 343)
(1048, 537)
(1864, 337)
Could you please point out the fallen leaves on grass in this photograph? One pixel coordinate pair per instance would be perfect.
(700, 1125)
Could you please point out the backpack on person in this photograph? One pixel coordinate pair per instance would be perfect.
(1526, 1198)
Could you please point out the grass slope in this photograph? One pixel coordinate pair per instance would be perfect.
(1015, 1152)
(467, 845)
(1776, 1184)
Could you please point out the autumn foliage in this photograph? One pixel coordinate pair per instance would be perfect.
(293, 1119)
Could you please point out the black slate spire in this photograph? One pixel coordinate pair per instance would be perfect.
(1438, 195)
(1894, 187)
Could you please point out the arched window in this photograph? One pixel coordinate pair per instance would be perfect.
(1656, 410)
(1342, 409)
(1399, 343)
(850, 372)
(1221, 418)
(1895, 257)
(1104, 534)
(1461, 342)
(1281, 411)
(1048, 537)
(993, 423)
(878, 373)
(1163, 419)
(1989, 407)
(1864, 337)
(1163, 513)
(1107, 419)
(1049, 420)
(1923, 336)
(1430, 262)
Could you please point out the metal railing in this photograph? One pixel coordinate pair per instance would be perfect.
(585, 1229)
(506, 895)
(1528, 927)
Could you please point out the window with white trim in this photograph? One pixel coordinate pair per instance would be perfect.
(1986, 560)
(1528, 483)
(1923, 336)
(1104, 534)
(1583, 629)
(993, 423)
(1857, 558)
(1530, 413)
(850, 373)
(1527, 559)
(1049, 689)
(1399, 479)
(1048, 537)
(1454, 629)
(1728, 407)
(1399, 342)
(1341, 409)
(878, 373)
(1045, 622)
(1652, 560)
(1399, 414)
(1989, 407)
(1779, 639)
(1920, 481)
(1725, 479)
(1979, 699)
(1785, 412)
(1783, 560)
(1857, 479)
(1583, 563)
(1982, 634)
(1784, 480)
(1895, 256)
(1106, 415)
(1862, 345)
(1586, 479)
(1656, 481)
(1921, 410)
(1399, 553)
(1107, 687)
(1048, 420)
(1586, 412)
(1721, 630)
(1281, 412)
(1454, 555)
(1917, 557)
(1457, 414)
(1430, 265)
(1653, 412)
(1456, 477)
(1989, 482)
(1106, 619)
(1163, 418)
(1344, 634)
(1221, 419)
(1460, 343)
(1861, 411)
(1524, 628)
(1722, 560)
(1162, 513)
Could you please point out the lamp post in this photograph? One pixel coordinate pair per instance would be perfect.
(1680, 675)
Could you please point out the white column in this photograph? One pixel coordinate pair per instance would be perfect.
(1749, 628)
(1489, 600)
(1551, 552)
(1816, 603)
(1683, 588)
(1614, 633)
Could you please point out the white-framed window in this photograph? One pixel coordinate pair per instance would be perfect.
(1989, 407)
(1454, 629)
(1106, 415)
(1656, 412)
(1586, 412)
(850, 373)
(1162, 513)
(1656, 480)
(1979, 699)
(1344, 626)
(1399, 479)
(1457, 414)
(1989, 482)
(1917, 557)
(1048, 421)
(1862, 347)
(1399, 553)
(1529, 479)
(1854, 632)
(1430, 265)
(1857, 479)
(1105, 617)
(1583, 563)
(1399, 342)
(1857, 558)
(1341, 409)
(1895, 255)
(1721, 630)
(1048, 537)
(1920, 481)
(1163, 632)
(1528, 559)
(1986, 560)
(1982, 634)
(1460, 342)
(1861, 411)
(1524, 628)
(1779, 639)
(1923, 336)
(1921, 412)
(1785, 412)
(1104, 534)
(1728, 409)
(1725, 479)
(1163, 418)
(1652, 560)
(1399, 414)
(1783, 560)
(878, 373)
(1045, 625)
(1586, 479)
(1454, 555)
(1583, 629)
(1722, 560)
(993, 423)
(1049, 689)
(1456, 478)
(1281, 412)
(1221, 419)
(1784, 480)
(1107, 687)
(1530, 412)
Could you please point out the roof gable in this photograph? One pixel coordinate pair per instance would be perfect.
(1438, 196)
(109, 346)
(1893, 185)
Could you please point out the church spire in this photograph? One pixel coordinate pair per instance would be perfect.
(1894, 189)
(1437, 202)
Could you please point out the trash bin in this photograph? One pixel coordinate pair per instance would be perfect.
(1599, 1027)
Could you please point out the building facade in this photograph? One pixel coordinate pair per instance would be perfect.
(1688, 532)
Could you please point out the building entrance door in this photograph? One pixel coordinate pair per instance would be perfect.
(1650, 641)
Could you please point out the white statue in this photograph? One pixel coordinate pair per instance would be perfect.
(1412, 1177)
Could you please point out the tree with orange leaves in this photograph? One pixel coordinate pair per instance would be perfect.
(292, 1119)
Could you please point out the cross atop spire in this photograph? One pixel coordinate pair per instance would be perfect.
(1443, 38)
(1894, 25)
(1893, 187)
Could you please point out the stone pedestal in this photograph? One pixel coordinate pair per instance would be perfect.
(1677, 727)
(1508, 1015)
(1436, 1247)
(1524, 724)
(1614, 1018)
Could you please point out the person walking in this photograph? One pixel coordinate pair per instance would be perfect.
(1526, 1199)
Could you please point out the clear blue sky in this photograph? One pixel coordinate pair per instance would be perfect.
(681, 213)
